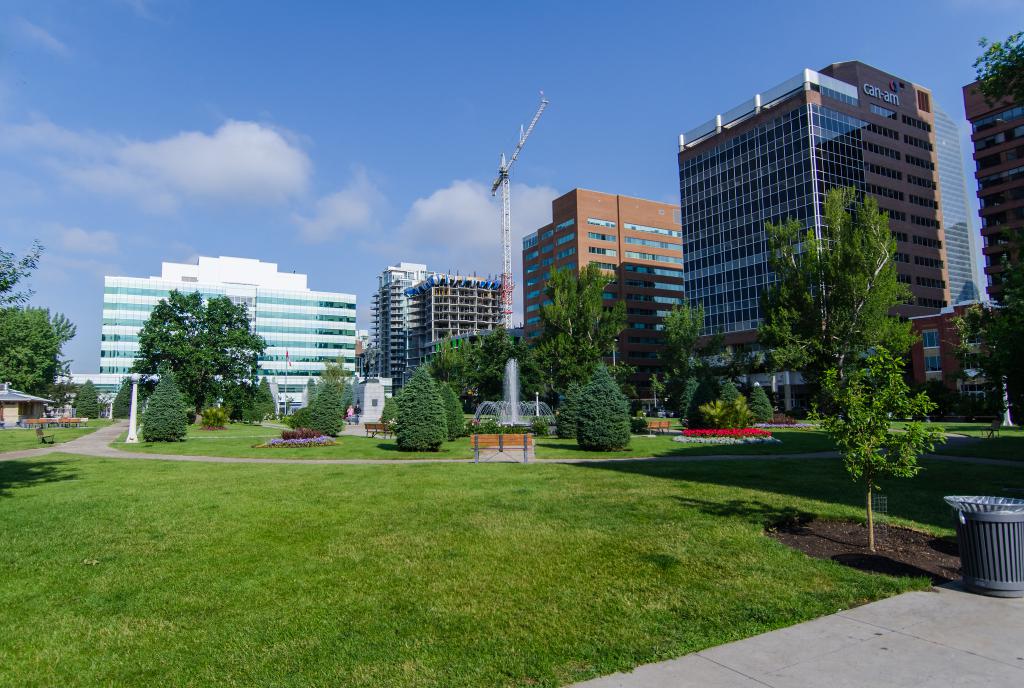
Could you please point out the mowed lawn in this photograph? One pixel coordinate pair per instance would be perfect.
(238, 440)
(16, 439)
(143, 573)
(1007, 445)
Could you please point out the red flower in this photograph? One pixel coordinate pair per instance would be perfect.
(738, 433)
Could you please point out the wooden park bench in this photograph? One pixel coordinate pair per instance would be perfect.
(373, 429)
(43, 438)
(993, 430)
(515, 445)
(659, 425)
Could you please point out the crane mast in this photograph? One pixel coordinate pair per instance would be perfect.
(502, 182)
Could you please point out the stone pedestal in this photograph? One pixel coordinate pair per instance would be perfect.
(370, 397)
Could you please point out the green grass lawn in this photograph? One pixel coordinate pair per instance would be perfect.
(142, 573)
(1008, 445)
(238, 440)
(18, 439)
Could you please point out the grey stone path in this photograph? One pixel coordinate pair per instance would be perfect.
(98, 444)
(946, 637)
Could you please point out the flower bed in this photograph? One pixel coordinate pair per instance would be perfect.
(322, 441)
(726, 436)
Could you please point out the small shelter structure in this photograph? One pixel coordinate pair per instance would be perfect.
(16, 407)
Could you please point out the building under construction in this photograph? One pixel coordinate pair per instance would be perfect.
(443, 306)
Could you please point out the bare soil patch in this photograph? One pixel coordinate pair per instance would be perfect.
(898, 551)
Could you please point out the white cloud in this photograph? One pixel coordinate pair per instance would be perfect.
(240, 161)
(42, 37)
(354, 207)
(76, 240)
(459, 228)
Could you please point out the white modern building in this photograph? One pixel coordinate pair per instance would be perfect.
(304, 329)
(392, 315)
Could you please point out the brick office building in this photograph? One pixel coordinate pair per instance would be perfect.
(998, 137)
(637, 241)
(775, 157)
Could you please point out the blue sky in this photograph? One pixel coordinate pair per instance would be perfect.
(338, 138)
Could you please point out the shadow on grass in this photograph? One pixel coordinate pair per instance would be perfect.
(916, 499)
(769, 515)
(16, 474)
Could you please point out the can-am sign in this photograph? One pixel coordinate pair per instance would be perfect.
(888, 96)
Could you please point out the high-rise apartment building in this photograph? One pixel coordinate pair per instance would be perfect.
(392, 314)
(961, 235)
(775, 157)
(447, 306)
(998, 136)
(304, 329)
(637, 241)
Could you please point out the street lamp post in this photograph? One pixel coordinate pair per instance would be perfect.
(615, 350)
(133, 415)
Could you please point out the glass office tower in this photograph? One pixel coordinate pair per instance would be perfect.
(961, 237)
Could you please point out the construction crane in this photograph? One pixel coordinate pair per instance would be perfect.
(506, 213)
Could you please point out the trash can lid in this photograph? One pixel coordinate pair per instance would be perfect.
(1007, 505)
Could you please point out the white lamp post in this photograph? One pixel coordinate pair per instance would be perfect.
(133, 437)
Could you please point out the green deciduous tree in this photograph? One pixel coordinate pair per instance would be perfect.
(579, 325)
(833, 294)
(31, 348)
(865, 401)
(206, 344)
(13, 270)
(87, 401)
(327, 414)
(122, 406)
(165, 418)
(1001, 69)
(602, 422)
(422, 423)
(760, 405)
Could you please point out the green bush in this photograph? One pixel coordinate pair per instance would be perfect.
(454, 420)
(568, 412)
(299, 419)
(122, 407)
(265, 406)
(389, 414)
(760, 406)
(166, 418)
(728, 392)
(638, 425)
(706, 392)
(725, 414)
(422, 425)
(539, 427)
(215, 418)
(603, 420)
(87, 402)
(327, 414)
(311, 390)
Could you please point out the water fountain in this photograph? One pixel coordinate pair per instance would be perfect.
(510, 410)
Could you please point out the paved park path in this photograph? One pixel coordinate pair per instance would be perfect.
(946, 637)
(98, 444)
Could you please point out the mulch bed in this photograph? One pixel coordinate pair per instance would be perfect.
(898, 551)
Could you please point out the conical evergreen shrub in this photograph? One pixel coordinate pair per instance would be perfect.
(760, 406)
(568, 412)
(729, 393)
(166, 416)
(603, 420)
(123, 400)
(87, 402)
(706, 392)
(265, 405)
(422, 423)
(327, 414)
(455, 421)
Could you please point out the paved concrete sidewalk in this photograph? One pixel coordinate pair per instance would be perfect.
(946, 637)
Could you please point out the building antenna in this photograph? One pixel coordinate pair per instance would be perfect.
(506, 213)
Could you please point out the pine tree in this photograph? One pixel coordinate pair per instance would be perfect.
(311, 390)
(728, 392)
(568, 412)
(265, 406)
(603, 421)
(760, 406)
(166, 416)
(123, 401)
(327, 414)
(389, 414)
(87, 403)
(422, 425)
(706, 392)
(455, 421)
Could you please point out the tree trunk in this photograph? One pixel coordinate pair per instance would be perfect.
(871, 522)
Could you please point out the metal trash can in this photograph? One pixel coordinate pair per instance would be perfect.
(990, 534)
